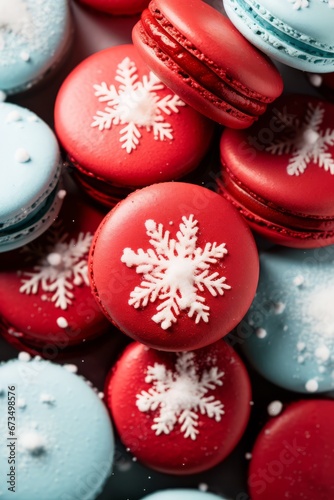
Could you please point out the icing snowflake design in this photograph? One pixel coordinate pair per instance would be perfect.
(180, 396)
(303, 4)
(136, 105)
(304, 140)
(61, 267)
(14, 17)
(174, 270)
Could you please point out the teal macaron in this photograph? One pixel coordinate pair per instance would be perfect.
(30, 169)
(298, 33)
(288, 334)
(56, 436)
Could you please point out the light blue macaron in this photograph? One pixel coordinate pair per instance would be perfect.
(30, 168)
(288, 333)
(34, 36)
(182, 494)
(56, 439)
(298, 33)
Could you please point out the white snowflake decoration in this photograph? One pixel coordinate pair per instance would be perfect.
(303, 4)
(14, 17)
(305, 141)
(180, 396)
(61, 267)
(174, 271)
(135, 104)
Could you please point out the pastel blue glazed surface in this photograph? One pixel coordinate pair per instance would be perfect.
(302, 38)
(75, 428)
(182, 495)
(27, 189)
(33, 37)
(293, 312)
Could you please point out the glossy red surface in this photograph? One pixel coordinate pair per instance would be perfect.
(218, 222)
(196, 50)
(100, 154)
(117, 7)
(172, 452)
(293, 456)
(278, 191)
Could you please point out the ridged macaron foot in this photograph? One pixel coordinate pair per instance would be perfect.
(30, 171)
(199, 54)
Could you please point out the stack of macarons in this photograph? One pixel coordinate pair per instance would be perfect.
(173, 265)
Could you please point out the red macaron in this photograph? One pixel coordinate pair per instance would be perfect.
(179, 413)
(45, 298)
(201, 56)
(122, 128)
(117, 7)
(293, 456)
(280, 173)
(174, 266)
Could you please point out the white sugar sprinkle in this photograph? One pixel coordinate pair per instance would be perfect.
(3, 96)
(62, 322)
(33, 118)
(54, 259)
(298, 280)
(25, 56)
(24, 356)
(301, 346)
(312, 385)
(61, 194)
(310, 136)
(322, 353)
(316, 80)
(33, 442)
(261, 333)
(279, 307)
(203, 487)
(22, 155)
(47, 399)
(21, 403)
(71, 368)
(248, 456)
(13, 116)
(101, 395)
(274, 408)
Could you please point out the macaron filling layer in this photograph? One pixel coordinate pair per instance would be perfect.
(265, 213)
(282, 37)
(213, 82)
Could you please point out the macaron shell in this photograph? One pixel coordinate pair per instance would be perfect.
(117, 7)
(290, 323)
(172, 452)
(211, 51)
(25, 184)
(124, 228)
(215, 37)
(45, 301)
(293, 456)
(102, 153)
(59, 411)
(35, 37)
